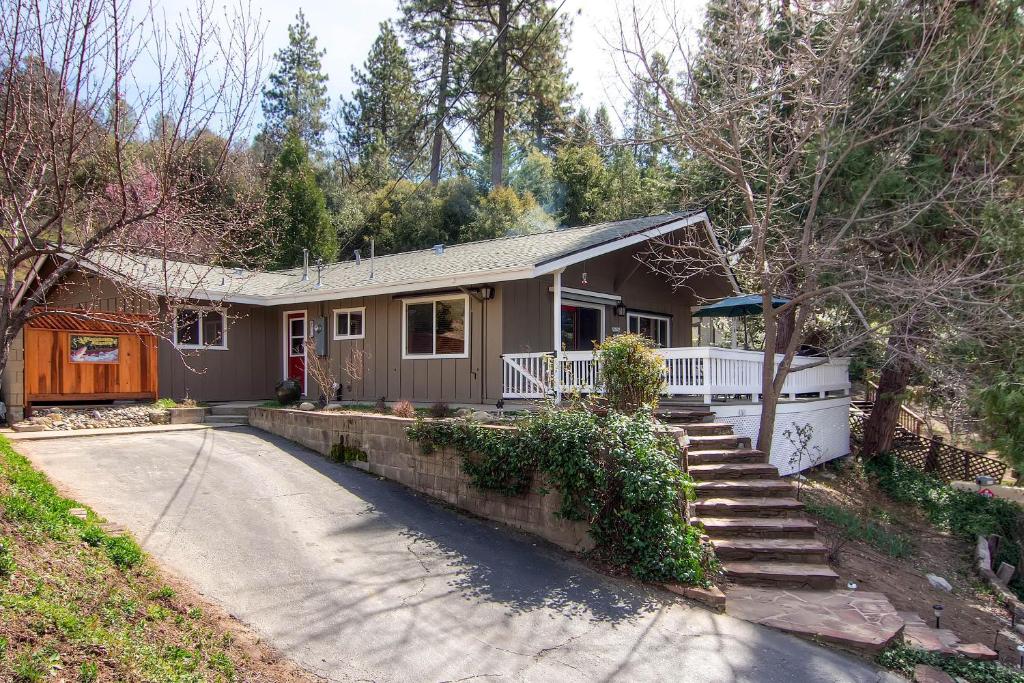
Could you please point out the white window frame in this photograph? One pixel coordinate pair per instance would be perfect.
(223, 346)
(434, 299)
(357, 309)
(653, 316)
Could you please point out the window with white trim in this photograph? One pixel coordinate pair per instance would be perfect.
(654, 327)
(200, 328)
(436, 327)
(349, 323)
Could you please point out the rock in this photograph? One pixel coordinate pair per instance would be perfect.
(929, 674)
(828, 475)
(480, 416)
(464, 412)
(306, 405)
(1005, 572)
(27, 427)
(80, 513)
(939, 583)
(976, 651)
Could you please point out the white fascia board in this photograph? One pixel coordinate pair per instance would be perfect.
(617, 244)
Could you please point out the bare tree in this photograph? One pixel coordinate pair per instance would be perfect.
(83, 187)
(825, 123)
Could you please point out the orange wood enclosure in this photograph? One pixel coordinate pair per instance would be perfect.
(51, 375)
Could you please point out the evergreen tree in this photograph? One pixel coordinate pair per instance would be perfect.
(296, 98)
(580, 178)
(604, 134)
(383, 116)
(646, 114)
(434, 31)
(297, 213)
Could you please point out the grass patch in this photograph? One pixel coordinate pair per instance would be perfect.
(80, 604)
(903, 660)
(855, 527)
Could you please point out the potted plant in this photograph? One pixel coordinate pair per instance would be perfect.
(288, 391)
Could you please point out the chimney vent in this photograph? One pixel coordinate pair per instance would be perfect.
(305, 265)
(438, 249)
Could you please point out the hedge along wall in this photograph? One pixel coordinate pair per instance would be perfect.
(390, 454)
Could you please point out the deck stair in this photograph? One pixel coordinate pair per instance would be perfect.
(747, 510)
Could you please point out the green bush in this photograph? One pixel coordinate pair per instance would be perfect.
(962, 512)
(123, 551)
(904, 659)
(615, 472)
(632, 374)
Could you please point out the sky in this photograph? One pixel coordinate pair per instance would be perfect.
(346, 29)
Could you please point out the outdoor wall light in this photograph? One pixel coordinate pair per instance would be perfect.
(487, 292)
(620, 309)
(937, 611)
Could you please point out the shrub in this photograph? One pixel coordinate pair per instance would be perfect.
(440, 410)
(403, 409)
(904, 659)
(963, 512)
(615, 472)
(164, 403)
(381, 406)
(92, 535)
(123, 551)
(632, 374)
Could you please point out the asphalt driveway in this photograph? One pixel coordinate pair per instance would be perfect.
(360, 579)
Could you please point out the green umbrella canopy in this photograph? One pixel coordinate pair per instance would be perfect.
(736, 306)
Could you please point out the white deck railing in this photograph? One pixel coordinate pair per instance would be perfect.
(703, 371)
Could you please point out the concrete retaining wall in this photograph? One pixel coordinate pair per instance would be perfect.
(392, 455)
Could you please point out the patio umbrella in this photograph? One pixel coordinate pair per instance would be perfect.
(736, 306)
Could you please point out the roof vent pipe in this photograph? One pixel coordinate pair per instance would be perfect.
(319, 273)
(359, 258)
(305, 265)
(371, 258)
(438, 249)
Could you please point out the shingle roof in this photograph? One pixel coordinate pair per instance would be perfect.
(412, 270)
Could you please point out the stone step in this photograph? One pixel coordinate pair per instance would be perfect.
(226, 419)
(770, 506)
(759, 527)
(726, 455)
(707, 428)
(774, 549)
(782, 574)
(242, 411)
(683, 415)
(712, 441)
(733, 470)
(757, 488)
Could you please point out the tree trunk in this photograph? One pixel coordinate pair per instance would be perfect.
(880, 426)
(442, 100)
(498, 134)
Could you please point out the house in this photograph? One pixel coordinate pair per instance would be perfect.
(470, 323)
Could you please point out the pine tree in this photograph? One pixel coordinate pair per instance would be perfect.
(384, 111)
(296, 98)
(581, 182)
(604, 134)
(522, 90)
(434, 31)
(297, 212)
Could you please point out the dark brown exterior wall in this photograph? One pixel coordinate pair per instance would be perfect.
(528, 314)
(384, 373)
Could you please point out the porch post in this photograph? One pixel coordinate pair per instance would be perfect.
(556, 331)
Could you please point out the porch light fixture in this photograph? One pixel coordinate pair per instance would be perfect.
(487, 292)
(937, 611)
(583, 280)
(620, 309)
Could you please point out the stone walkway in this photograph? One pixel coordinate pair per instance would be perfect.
(854, 620)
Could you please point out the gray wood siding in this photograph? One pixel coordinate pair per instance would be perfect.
(381, 370)
(528, 315)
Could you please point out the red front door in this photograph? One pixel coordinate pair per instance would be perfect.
(295, 347)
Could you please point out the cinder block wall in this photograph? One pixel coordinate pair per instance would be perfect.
(13, 381)
(390, 454)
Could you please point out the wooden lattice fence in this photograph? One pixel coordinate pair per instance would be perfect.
(931, 455)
